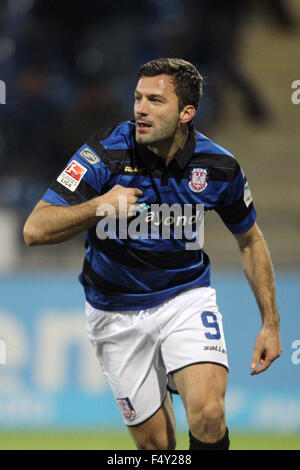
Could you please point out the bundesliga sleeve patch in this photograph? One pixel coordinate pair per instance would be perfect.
(72, 175)
(126, 408)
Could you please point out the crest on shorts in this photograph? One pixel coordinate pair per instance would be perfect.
(198, 180)
(126, 408)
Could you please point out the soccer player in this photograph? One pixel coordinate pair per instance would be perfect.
(151, 313)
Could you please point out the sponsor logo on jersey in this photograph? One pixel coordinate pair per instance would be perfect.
(72, 175)
(126, 408)
(90, 156)
(198, 180)
(129, 169)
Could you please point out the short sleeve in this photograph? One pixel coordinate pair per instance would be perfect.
(82, 179)
(236, 208)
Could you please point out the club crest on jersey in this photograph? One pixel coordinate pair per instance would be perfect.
(126, 408)
(198, 180)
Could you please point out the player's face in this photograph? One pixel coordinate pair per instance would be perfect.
(156, 110)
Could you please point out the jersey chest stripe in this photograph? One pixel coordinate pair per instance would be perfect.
(94, 280)
(146, 260)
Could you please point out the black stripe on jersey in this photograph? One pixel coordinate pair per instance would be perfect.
(94, 140)
(86, 190)
(145, 260)
(221, 167)
(169, 172)
(215, 174)
(221, 174)
(83, 193)
(213, 159)
(72, 198)
(115, 159)
(234, 213)
(94, 280)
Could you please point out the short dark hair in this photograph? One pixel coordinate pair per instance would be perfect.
(187, 79)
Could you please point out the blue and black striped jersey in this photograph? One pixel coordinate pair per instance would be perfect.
(123, 273)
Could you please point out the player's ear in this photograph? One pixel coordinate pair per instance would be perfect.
(187, 114)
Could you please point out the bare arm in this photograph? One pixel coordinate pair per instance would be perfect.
(259, 271)
(49, 224)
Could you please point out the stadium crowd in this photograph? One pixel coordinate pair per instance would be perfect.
(69, 69)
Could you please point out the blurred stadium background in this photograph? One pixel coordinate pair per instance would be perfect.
(69, 68)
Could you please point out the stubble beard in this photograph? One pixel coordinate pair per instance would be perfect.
(157, 137)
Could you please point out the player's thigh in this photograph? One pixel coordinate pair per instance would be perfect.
(127, 348)
(201, 387)
(194, 333)
(157, 432)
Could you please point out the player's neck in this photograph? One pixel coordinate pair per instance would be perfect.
(167, 149)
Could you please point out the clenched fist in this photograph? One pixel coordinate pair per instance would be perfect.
(118, 202)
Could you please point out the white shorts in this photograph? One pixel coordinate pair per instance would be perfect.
(139, 349)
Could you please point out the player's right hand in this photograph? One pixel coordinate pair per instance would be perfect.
(118, 201)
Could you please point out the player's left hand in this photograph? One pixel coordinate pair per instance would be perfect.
(267, 349)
